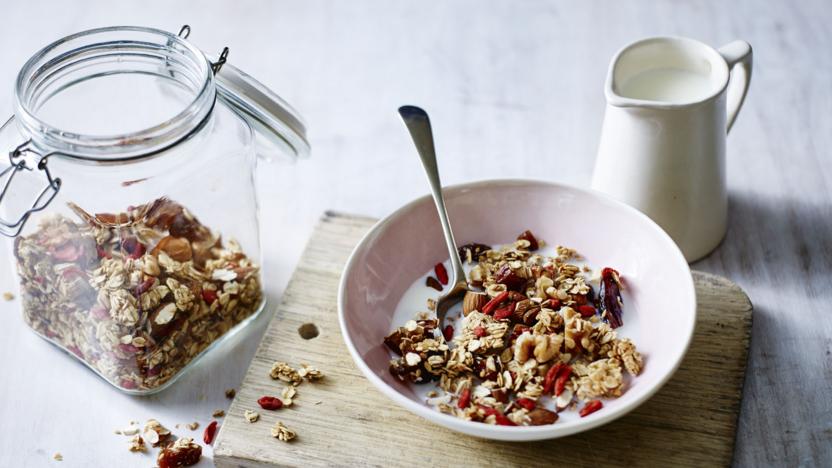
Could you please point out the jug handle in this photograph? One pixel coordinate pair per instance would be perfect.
(738, 55)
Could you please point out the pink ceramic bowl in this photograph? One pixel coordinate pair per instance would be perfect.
(660, 302)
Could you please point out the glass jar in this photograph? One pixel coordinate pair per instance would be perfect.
(130, 196)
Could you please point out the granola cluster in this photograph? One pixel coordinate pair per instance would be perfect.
(135, 295)
(538, 337)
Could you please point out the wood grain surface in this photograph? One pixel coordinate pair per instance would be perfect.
(345, 421)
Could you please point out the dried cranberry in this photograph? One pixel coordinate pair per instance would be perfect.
(209, 296)
(586, 310)
(464, 398)
(448, 332)
(527, 235)
(441, 273)
(133, 247)
(67, 252)
(270, 403)
(210, 432)
(526, 403)
(128, 384)
(591, 407)
(479, 332)
(505, 275)
(155, 370)
(433, 283)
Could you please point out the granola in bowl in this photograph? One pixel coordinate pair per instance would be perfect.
(539, 340)
(135, 295)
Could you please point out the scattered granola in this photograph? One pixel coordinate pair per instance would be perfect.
(183, 452)
(285, 372)
(310, 373)
(137, 444)
(154, 433)
(288, 393)
(193, 426)
(252, 416)
(230, 393)
(136, 295)
(281, 432)
(8, 296)
(218, 413)
(538, 336)
(58, 456)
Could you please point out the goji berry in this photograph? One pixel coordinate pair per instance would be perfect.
(270, 403)
(549, 379)
(563, 377)
(493, 303)
(441, 273)
(464, 398)
(591, 407)
(527, 403)
(448, 332)
(210, 431)
(499, 417)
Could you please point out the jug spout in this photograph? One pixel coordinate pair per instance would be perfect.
(665, 72)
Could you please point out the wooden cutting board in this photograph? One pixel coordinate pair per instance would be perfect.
(344, 421)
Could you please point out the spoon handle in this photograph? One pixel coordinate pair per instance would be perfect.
(418, 124)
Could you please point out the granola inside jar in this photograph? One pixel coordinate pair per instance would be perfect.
(130, 198)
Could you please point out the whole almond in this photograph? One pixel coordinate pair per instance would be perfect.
(177, 248)
(541, 416)
(473, 301)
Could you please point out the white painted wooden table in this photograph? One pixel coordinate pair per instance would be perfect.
(515, 90)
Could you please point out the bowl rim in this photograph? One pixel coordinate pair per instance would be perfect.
(509, 433)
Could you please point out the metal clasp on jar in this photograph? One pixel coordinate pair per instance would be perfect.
(25, 157)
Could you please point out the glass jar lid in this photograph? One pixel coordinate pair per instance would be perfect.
(67, 104)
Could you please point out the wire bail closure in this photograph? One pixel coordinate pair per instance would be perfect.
(185, 31)
(18, 161)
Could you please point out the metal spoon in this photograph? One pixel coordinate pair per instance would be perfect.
(418, 124)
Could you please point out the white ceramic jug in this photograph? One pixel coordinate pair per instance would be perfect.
(670, 104)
